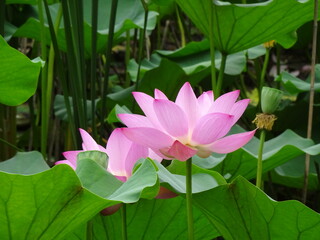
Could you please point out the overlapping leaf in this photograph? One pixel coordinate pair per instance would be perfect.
(240, 210)
(194, 58)
(295, 85)
(291, 174)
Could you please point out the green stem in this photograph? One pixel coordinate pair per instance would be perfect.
(94, 65)
(311, 99)
(221, 74)
(189, 197)
(127, 58)
(61, 72)
(44, 84)
(259, 163)
(112, 21)
(141, 44)
(2, 16)
(212, 53)
(182, 32)
(263, 72)
(124, 222)
(278, 51)
(11, 145)
(51, 64)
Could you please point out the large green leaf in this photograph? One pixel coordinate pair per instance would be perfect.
(240, 210)
(241, 26)
(157, 219)
(53, 203)
(46, 205)
(18, 75)
(151, 219)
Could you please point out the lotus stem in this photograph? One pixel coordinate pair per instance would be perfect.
(94, 21)
(259, 163)
(221, 74)
(182, 32)
(189, 198)
(263, 73)
(112, 21)
(44, 116)
(311, 98)
(212, 53)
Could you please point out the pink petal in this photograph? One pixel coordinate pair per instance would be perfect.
(231, 143)
(88, 142)
(205, 100)
(181, 152)
(150, 137)
(66, 162)
(135, 153)
(154, 156)
(134, 120)
(225, 102)
(146, 104)
(238, 109)
(117, 149)
(188, 102)
(159, 95)
(171, 117)
(211, 127)
(71, 156)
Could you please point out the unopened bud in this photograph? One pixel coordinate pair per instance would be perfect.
(270, 99)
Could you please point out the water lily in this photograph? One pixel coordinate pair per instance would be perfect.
(188, 126)
(122, 153)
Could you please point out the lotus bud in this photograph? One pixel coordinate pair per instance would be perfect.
(270, 99)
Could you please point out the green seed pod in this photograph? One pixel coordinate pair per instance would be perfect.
(270, 99)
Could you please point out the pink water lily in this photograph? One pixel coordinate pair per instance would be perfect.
(122, 153)
(188, 126)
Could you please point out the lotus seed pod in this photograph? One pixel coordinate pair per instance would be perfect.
(270, 99)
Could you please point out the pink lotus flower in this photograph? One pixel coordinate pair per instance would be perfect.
(188, 126)
(122, 153)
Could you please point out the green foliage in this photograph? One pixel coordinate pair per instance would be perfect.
(240, 210)
(239, 27)
(130, 15)
(150, 219)
(18, 75)
(277, 151)
(295, 85)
